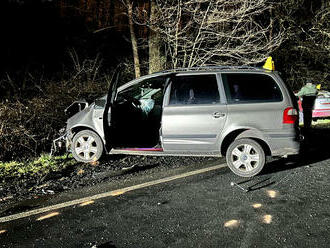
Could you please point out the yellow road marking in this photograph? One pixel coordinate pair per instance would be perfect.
(267, 219)
(272, 193)
(47, 216)
(232, 223)
(107, 194)
(118, 192)
(257, 205)
(86, 203)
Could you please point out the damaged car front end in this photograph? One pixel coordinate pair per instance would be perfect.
(88, 119)
(87, 125)
(81, 116)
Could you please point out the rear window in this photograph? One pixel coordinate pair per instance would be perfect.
(251, 88)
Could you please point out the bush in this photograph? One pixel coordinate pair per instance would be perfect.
(27, 126)
(32, 108)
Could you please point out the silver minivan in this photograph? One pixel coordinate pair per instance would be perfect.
(243, 113)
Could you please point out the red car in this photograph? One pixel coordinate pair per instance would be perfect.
(321, 107)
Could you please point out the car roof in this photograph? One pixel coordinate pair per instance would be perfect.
(197, 70)
(215, 69)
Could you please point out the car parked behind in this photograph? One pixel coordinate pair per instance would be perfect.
(321, 108)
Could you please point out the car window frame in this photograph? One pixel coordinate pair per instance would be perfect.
(273, 77)
(167, 94)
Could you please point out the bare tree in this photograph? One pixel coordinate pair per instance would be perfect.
(203, 32)
(305, 52)
(156, 58)
(321, 28)
(129, 6)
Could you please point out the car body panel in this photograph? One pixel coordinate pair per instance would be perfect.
(90, 118)
(264, 121)
(192, 128)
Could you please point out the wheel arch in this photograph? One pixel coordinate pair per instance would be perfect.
(74, 130)
(245, 133)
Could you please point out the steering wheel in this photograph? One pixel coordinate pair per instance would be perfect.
(136, 103)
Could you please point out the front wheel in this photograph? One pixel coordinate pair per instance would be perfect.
(87, 146)
(245, 157)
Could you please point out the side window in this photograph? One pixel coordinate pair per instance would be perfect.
(249, 88)
(194, 89)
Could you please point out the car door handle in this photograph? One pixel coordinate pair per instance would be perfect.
(218, 115)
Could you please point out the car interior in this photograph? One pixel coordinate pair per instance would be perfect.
(136, 115)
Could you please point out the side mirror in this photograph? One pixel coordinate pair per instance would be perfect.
(76, 107)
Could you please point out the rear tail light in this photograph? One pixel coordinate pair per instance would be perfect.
(290, 115)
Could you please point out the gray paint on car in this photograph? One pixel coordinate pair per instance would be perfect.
(193, 128)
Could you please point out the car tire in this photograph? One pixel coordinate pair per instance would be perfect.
(87, 146)
(245, 157)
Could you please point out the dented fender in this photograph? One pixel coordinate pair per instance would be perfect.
(89, 118)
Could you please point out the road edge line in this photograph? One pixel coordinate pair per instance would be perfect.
(107, 194)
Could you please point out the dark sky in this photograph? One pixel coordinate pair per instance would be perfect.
(36, 37)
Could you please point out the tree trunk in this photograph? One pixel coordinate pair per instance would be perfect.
(156, 60)
(271, 26)
(133, 39)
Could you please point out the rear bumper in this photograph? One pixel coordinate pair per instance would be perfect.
(285, 146)
(321, 113)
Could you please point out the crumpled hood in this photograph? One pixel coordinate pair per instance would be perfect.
(79, 116)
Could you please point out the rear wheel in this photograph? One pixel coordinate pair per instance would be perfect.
(87, 146)
(245, 157)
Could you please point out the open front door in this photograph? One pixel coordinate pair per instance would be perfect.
(107, 110)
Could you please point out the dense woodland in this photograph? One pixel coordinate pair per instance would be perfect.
(55, 52)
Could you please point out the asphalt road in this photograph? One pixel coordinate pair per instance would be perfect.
(287, 206)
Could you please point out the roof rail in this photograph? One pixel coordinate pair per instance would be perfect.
(211, 67)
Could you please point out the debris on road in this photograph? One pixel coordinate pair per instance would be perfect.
(240, 187)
